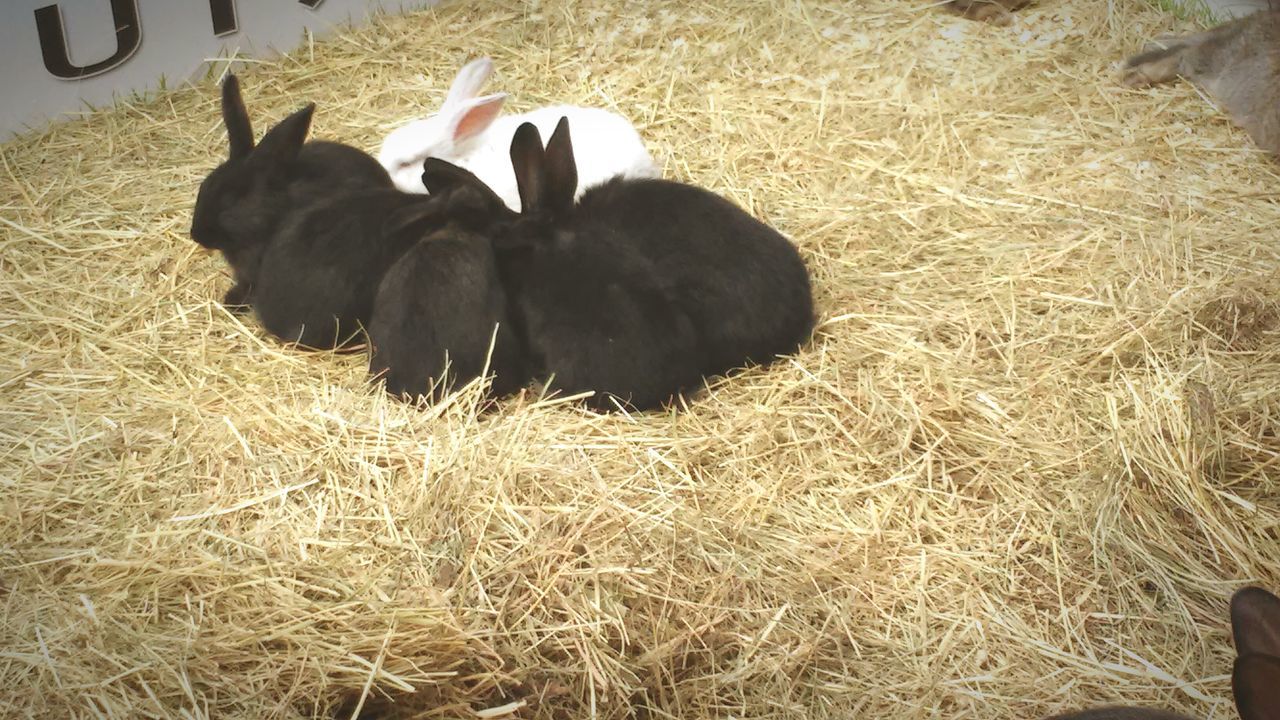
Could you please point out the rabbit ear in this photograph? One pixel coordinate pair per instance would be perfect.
(526, 160)
(281, 144)
(473, 117)
(468, 81)
(442, 176)
(236, 118)
(561, 171)
(1255, 622)
(1255, 683)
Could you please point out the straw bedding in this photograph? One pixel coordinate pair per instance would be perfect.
(1028, 455)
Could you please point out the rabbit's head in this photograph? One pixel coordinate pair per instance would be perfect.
(239, 203)
(449, 134)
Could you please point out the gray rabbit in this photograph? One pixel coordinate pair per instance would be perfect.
(1238, 63)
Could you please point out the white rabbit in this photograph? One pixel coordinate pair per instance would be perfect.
(469, 133)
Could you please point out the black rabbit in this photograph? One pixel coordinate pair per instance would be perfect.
(595, 314)
(641, 288)
(441, 305)
(741, 283)
(319, 275)
(242, 203)
(309, 228)
(587, 311)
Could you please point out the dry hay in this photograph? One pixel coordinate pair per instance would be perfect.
(1030, 452)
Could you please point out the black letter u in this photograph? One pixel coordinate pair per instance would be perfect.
(53, 40)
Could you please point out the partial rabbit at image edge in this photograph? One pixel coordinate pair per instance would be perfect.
(1255, 676)
(1237, 63)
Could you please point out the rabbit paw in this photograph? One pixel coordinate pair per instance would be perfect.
(237, 299)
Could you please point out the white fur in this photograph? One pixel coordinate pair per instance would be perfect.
(605, 144)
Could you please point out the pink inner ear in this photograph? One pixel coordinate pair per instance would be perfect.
(477, 118)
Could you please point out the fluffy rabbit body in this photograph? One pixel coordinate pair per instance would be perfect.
(441, 313)
(242, 202)
(1237, 63)
(742, 284)
(470, 133)
(595, 315)
(643, 286)
(319, 276)
(589, 313)
(309, 228)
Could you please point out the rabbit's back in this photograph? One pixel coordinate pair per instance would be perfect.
(329, 168)
(318, 278)
(441, 304)
(742, 283)
(599, 318)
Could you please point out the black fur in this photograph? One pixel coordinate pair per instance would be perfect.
(1253, 683)
(318, 278)
(594, 314)
(638, 291)
(1255, 676)
(241, 204)
(1255, 622)
(440, 303)
(596, 318)
(741, 283)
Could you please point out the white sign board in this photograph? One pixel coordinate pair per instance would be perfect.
(58, 56)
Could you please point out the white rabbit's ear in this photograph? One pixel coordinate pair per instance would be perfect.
(469, 80)
(473, 117)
